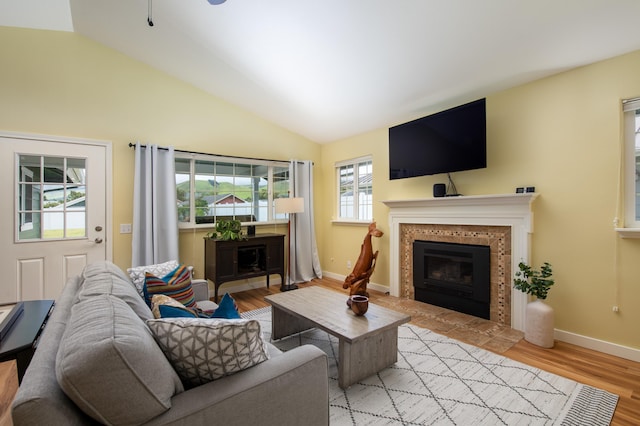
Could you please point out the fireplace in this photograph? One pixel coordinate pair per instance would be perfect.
(453, 276)
(504, 222)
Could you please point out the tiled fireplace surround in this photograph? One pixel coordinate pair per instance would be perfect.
(502, 222)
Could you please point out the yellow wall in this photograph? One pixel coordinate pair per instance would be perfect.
(562, 135)
(63, 84)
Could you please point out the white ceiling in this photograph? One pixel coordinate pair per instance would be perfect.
(329, 69)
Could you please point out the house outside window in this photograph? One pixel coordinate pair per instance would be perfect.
(631, 110)
(210, 188)
(355, 189)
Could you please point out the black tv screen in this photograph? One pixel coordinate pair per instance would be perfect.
(448, 141)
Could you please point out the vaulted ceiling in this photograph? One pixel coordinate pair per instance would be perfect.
(329, 69)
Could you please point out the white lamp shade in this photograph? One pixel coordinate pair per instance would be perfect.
(290, 205)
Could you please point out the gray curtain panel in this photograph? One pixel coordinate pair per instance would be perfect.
(305, 262)
(155, 213)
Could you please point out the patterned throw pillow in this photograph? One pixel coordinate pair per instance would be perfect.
(202, 350)
(176, 284)
(159, 270)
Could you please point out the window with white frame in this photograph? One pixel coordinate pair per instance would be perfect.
(631, 108)
(51, 201)
(211, 188)
(355, 189)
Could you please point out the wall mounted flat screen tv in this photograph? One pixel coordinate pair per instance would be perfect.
(448, 141)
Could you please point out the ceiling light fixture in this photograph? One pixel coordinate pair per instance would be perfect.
(149, 20)
(216, 1)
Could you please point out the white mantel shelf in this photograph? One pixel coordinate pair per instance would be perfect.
(468, 200)
(513, 210)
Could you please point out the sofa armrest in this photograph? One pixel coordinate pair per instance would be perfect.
(291, 388)
(200, 289)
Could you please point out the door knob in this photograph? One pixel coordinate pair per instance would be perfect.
(98, 240)
(98, 228)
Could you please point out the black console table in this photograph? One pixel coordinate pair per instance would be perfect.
(257, 255)
(22, 339)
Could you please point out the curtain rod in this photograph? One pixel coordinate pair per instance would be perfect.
(132, 145)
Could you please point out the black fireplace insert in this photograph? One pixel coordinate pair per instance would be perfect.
(453, 276)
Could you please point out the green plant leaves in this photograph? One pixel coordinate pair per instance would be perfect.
(227, 230)
(534, 282)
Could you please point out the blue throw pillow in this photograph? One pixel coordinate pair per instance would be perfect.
(167, 311)
(226, 309)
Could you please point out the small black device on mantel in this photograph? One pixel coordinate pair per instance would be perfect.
(439, 189)
(448, 141)
(251, 230)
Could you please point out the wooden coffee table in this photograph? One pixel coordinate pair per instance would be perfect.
(367, 344)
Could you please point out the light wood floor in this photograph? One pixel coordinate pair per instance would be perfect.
(607, 372)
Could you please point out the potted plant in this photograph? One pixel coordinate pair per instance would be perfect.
(539, 316)
(226, 230)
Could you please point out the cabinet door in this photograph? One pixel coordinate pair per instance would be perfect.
(226, 261)
(275, 256)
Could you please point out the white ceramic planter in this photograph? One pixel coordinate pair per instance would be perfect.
(539, 324)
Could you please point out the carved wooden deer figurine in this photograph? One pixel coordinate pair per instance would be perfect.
(358, 279)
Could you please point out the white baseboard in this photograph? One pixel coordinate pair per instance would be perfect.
(598, 345)
(373, 286)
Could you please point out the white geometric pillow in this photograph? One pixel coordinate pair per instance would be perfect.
(159, 270)
(201, 349)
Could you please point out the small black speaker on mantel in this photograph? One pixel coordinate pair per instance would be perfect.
(251, 230)
(439, 190)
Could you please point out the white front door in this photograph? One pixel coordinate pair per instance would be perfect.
(53, 199)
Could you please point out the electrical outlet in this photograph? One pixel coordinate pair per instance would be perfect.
(615, 309)
(348, 264)
(125, 228)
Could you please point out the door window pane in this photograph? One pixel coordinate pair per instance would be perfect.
(30, 166)
(51, 202)
(54, 169)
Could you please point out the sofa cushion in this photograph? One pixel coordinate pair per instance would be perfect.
(176, 284)
(202, 350)
(159, 270)
(110, 366)
(106, 278)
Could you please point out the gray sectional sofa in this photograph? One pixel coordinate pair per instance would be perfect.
(98, 348)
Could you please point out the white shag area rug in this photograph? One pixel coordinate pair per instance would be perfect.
(442, 381)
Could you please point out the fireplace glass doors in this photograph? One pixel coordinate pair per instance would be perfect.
(453, 276)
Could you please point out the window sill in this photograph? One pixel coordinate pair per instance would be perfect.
(211, 226)
(628, 232)
(351, 222)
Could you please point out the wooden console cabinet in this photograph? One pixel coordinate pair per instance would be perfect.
(258, 255)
